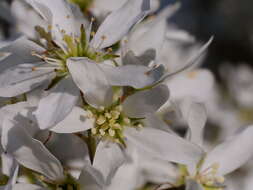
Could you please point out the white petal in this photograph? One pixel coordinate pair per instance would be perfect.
(21, 78)
(28, 151)
(76, 121)
(73, 156)
(9, 164)
(150, 39)
(144, 102)
(108, 158)
(119, 22)
(33, 97)
(21, 52)
(153, 121)
(91, 179)
(165, 146)
(123, 75)
(12, 110)
(193, 185)
(25, 186)
(21, 11)
(153, 169)
(12, 180)
(232, 153)
(60, 14)
(90, 78)
(58, 104)
(197, 84)
(196, 117)
(128, 177)
(191, 61)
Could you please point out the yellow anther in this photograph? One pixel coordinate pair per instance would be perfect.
(125, 41)
(209, 183)
(112, 121)
(220, 179)
(49, 27)
(111, 132)
(92, 33)
(103, 37)
(215, 166)
(33, 68)
(102, 132)
(107, 115)
(89, 114)
(139, 126)
(115, 114)
(117, 126)
(68, 16)
(92, 19)
(94, 131)
(119, 108)
(126, 121)
(109, 50)
(101, 108)
(101, 120)
(105, 126)
(192, 74)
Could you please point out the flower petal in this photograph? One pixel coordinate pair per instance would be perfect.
(20, 52)
(153, 121)
(123, 75)
(197, 84)
(22, 78)
(90, 78)
(28, 151)
(61, 15)
(193, 185)
(58, 104)
(144, 102)
(165, 146)
(196, 117)
(108, 158)
(73, 156)
(76, 121)
(91, 179)
(12, 110)
(119, 22)
(232, 153)
(152, 39)
(191, 61)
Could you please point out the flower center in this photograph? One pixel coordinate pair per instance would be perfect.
(209, 177)
(56, 55)
(110, 122)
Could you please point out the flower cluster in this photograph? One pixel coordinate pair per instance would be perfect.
(93, 103)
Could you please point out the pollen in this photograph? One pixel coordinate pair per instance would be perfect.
(192, 75)
(110, 122)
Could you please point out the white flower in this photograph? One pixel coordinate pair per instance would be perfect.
(23, 71)
(22, 141)
(212, 166)
(108, 113)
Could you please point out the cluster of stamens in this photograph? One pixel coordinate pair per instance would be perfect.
(111, 122)
(56, 56)
(209, 177)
